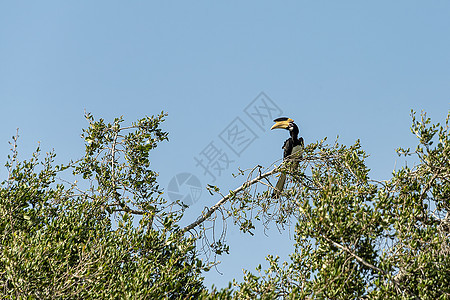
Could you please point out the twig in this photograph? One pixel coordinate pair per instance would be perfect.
(224, 199)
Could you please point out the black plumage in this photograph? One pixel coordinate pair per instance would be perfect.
(293, 141)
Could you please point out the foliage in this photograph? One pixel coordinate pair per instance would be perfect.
(59, 241)
(111, 234)
(356, 237)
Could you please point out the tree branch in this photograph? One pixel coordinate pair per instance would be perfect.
(227, 197)
(369, 265)
(355, 256)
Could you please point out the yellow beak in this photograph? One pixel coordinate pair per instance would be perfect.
(282, 124)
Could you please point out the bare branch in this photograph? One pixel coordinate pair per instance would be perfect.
(216, 206)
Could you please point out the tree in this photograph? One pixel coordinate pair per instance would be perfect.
(60, 241)
(355, 237)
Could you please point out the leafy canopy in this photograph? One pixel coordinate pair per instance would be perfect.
(109, 233)
(60, 241)
(357, 237)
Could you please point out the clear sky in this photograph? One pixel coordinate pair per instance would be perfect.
(348, 68)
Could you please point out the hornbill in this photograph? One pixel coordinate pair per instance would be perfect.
(291, 145)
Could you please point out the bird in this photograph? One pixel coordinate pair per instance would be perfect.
(290, 146)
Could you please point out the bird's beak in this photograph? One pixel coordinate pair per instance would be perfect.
(282, 124)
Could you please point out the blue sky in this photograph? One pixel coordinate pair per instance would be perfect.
(348, 68)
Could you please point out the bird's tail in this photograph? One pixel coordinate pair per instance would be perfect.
(279, 186)
(280, 183)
